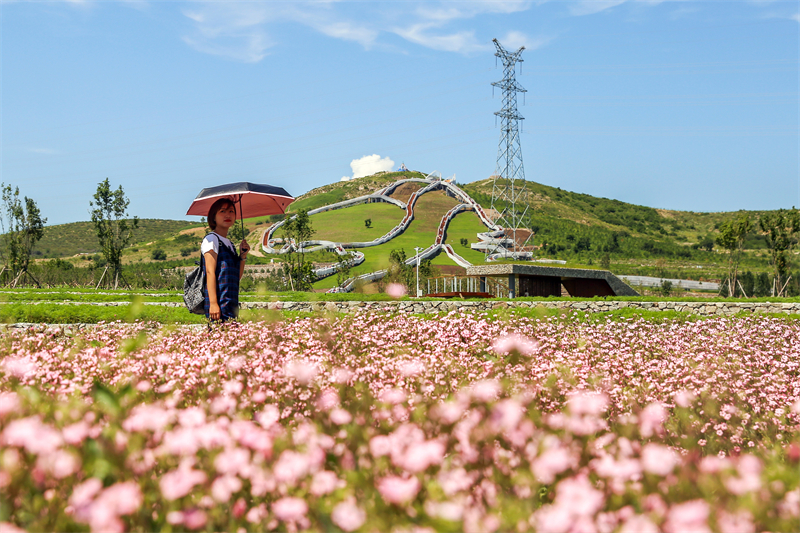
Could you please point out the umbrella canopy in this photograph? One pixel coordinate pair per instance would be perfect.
(255, 199)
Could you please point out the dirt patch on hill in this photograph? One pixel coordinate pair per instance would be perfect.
(404, 191)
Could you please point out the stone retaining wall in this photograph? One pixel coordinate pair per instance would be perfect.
(698, 308)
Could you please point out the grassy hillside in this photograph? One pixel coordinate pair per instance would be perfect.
(65, 240)
(581, 229)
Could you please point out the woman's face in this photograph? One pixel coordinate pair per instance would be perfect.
(226, 216)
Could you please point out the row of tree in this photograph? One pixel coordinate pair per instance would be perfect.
(22, 226)
(780, 228)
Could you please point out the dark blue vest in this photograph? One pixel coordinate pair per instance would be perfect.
(227, 276)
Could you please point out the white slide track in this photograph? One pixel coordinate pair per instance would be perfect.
(273, 245)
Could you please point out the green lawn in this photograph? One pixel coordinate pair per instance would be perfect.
(347, 225)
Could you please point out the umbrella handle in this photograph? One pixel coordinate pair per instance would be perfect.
(241, 213)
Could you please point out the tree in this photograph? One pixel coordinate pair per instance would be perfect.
(406, 275)
(780, 229)
(368, 223)
(343, 269)
(298, 230)
(25, 228)
(731, 237)
(605, 261)
(464, 242)
(114, 231)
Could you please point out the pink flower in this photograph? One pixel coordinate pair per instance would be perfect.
(289, 509)
(712, 464)
(380, 445)
(31, 434)
(328, 399)
(684, 398)
(749, 478)
(268, 416)
(83, 494)
(552, 462)
(587, 403)
(232, 461)
(638, 524)
(19, 367)
(393, 396)
(179, 483)
(651, 420)
(59, 464)
(348, 516)
(578, 494)
(194, 518)
(449, 412)
(486, 390)
(147, 417)
(302, 371)
(232, 387)
(514, 342)
(323, 482)
(397, 490)
(688, 516)
(9, 403)
(553, 519)
(192, 417)
(341, 417)
(395, 290)
(121, 498)
(411, 369)
(76, 433)
(418, 456)
(658, 459)
(739, 522)
(224, 486)
(506, 414)
(795, 407)
(290, 467)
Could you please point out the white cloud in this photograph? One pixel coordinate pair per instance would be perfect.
(796, 17)
(369, 165)
(240, 30)
(463, 42)
(514, 40)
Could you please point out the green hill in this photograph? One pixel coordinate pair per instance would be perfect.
(579, 228)
(66, 240)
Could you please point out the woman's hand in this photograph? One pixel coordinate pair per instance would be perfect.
(243, 249)
(214, 312)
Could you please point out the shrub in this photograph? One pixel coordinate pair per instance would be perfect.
(158, 255)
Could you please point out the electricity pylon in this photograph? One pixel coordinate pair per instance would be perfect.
(509, 190)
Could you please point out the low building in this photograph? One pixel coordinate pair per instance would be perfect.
(535, 280)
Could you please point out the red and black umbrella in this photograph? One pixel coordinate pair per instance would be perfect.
(255, 198)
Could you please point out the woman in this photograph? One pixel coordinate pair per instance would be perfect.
(219, 256)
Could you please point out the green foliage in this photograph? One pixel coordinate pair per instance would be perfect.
(464, 241)
(22, 226)
(158, 255)
(666, 287)
(109, 213)
(368, 223)
(300, 272)
(780, 229)
(731, 237)
(406, 275)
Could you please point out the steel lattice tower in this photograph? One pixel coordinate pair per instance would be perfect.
(509, 190)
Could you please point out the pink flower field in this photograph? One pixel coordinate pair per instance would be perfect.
(396, 423)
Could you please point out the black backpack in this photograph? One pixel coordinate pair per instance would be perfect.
(193, 286)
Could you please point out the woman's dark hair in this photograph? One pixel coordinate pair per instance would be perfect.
(215, 207)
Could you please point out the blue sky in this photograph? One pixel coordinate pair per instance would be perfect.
(671, 104)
